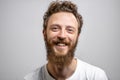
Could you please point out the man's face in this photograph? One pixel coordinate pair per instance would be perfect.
(61, 34)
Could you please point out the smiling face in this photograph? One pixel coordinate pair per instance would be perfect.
(61, 36)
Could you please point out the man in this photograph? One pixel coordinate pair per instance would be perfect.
(61, 29)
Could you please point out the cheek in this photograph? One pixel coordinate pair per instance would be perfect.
(51, 36)
(73, 38)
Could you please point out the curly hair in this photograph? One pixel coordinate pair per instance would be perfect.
(62, 6)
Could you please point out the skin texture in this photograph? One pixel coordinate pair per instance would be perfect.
(61, 36)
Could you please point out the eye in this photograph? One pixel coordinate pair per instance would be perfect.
(54, 28)
(70, 30)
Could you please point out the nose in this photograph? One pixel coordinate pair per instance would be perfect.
(62, 34)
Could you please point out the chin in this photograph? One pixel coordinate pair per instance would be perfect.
(61, 53)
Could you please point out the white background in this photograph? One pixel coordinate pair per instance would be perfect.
(22, 48)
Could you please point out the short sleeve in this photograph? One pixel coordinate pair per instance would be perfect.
(100, 75)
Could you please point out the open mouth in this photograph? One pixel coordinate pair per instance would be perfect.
(61, 45)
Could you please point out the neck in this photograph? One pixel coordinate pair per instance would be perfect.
(61, 72)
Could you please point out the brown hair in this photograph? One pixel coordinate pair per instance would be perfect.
(62, 6)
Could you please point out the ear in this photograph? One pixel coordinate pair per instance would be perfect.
(78, 35)
(44, 33)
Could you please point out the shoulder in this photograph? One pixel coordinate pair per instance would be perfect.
(92, 71)
(35, 74)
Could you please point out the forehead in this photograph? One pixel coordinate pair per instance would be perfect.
(63, 19)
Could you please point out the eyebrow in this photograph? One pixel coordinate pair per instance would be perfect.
(55, 25)
(69, 26)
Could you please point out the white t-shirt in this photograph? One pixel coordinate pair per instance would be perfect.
(84, 71)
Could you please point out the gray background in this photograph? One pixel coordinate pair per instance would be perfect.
(22, 48)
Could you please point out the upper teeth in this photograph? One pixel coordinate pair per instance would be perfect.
(61, 44)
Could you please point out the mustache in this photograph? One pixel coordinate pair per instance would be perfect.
(63, 41)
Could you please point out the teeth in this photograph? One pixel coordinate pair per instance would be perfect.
(61, 44)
